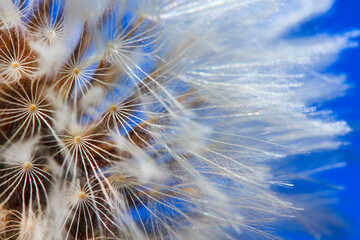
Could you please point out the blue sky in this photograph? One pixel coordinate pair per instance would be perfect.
(343, 17)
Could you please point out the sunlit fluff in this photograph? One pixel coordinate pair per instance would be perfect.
(145, 119)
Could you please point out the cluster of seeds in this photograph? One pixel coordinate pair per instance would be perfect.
(157, 119)
(87, 139)
(57, 141)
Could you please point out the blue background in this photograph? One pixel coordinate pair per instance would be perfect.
(344, 16)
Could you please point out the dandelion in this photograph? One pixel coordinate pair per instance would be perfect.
(157, 119)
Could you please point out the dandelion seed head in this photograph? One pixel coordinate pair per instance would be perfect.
(139, 120)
